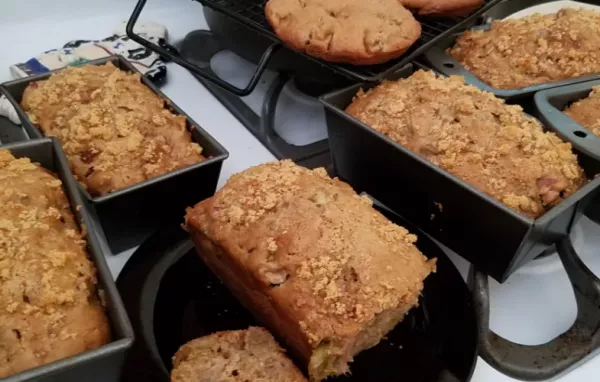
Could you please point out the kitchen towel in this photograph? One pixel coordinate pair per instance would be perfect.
(76, 52)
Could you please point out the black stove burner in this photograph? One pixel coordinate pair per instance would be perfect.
(200, 46)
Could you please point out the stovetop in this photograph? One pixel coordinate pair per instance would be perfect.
(531, 307)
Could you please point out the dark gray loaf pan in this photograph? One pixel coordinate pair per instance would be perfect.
(130, 215)
(102, 364)
(484, 231)
(550, 104)
(437, 58)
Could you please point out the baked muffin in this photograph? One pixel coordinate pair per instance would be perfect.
(115, 131)
(475, 136)
(49, 306)
(532, 50)
(311, 259)
(234, 356)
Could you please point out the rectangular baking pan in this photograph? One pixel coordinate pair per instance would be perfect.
(550, 104)
(437, 58)
(484, 231)
(129, 215)
(102, 364)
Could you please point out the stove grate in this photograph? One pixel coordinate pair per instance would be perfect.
(251, 14)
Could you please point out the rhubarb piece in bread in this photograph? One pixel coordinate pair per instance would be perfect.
(311, 259)
(234, 356)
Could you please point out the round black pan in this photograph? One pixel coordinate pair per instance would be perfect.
(172, 297)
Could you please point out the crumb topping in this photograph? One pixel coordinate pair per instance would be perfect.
(115, 131)
(532, 50)
(45, 274)
(475, 136)
(586, 111)
(336, 259)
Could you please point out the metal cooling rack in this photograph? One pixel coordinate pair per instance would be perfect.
(250, 13)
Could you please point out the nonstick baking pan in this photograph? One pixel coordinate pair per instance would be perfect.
(437, 58)
(172, 297)
(478, 227)
(265, 46)
(102, 364)
(550, 104)
(129, 215)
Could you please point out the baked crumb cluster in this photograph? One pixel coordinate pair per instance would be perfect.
(115, 131)
(586, 111)
(475, 136)
(49, 307)
(532, 50)
(314, 240)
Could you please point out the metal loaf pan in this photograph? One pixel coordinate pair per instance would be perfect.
(129, 215)
(489, 234)
(438, 59)
(550, 104)
(102, 364)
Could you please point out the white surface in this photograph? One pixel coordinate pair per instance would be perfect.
(533, 306)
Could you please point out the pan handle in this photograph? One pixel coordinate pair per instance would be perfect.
(541, 362)
(165, 53)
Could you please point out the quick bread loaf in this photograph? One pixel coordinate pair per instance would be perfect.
(475, 136)
(311, 259)
(532, 50)
(115, 131)
(49, 304)
(250, 355)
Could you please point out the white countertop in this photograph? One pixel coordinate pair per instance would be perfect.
(28, 28)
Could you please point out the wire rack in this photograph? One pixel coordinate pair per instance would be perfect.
(251, 13)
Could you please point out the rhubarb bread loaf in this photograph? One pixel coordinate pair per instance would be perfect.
(49, 304)
(311, 259)
(234, 356)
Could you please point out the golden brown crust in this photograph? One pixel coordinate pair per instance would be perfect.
(115, 131)
(234, 356)
(312, 259)
(49, 308)
(532, 50)
(475, 136)
(347, 31)
(586, 111)
(443, 7)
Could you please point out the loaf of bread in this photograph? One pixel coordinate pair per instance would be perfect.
(532, 50)
(475, 136)
(250, 355)
(49, 306)
(115, 131)
(311, 259)
(586, 111)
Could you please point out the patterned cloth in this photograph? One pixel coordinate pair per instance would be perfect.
(78, 51)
